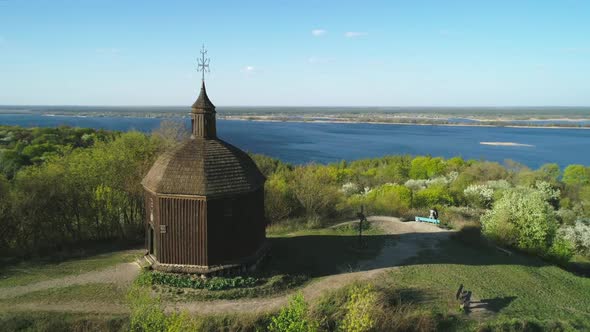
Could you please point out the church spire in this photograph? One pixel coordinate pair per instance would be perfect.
(203, 110)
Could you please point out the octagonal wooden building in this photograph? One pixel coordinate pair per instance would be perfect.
(204, 203)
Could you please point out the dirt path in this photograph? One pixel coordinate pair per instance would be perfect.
(417, 236)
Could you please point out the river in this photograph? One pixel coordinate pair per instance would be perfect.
(298, 142)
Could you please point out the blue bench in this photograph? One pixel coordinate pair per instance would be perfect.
(430, 220)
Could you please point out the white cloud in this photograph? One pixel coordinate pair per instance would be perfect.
(354, 34)
(318, 32)
(248, 69)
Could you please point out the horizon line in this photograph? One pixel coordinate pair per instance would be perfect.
(306, 106)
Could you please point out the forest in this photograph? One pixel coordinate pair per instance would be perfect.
(66, 187)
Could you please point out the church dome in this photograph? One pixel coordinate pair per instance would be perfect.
(204, 167)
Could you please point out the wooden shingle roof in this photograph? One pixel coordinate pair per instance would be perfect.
(204, 167)
(203, 104)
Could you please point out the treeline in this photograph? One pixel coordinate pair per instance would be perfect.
(77, 193)
(544, 211)
(91, 191)
(20, 147)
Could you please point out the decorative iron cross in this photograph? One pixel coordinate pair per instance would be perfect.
(203, 63)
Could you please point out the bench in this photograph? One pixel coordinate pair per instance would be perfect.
(430, 220)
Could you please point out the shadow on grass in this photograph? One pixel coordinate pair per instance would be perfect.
(495, 304)
(322, 255)
(67, 253)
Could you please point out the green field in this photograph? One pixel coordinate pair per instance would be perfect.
(28, 272)
(514, 286)
(521, 292)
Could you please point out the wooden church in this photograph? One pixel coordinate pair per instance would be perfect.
(204, 203)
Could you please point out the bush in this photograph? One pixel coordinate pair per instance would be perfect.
(147, 313)
(194, 281)
(470, 235)
(315, 190)
(293, 318)
(279, 202)
(433, 196)
(427, 167)
(578, 235)
(575, 175)
(389, 199)
(359, 309)
(479, 195)
(521, 218)
(561, 250)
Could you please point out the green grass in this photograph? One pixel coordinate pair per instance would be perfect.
(55, 321)
(34, 271)
(96, 292)
(295, 260)
(516, 286)
(297, 228)
(321, 252)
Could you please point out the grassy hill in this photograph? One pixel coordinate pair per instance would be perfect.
(518, 292)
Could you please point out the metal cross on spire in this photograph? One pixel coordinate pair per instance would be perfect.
(203, 63)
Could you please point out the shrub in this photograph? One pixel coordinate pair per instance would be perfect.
(391, 199)
(147, 313)
(193, 281)
(315, 190)
(180, 322)
(293, 318)
(470, 234)
(575, 175)
(433, 196)
(521, 218)
(278, 198)
(426, 167)
(578, 235)
(479, 195)
(359, 309)
(561, 250)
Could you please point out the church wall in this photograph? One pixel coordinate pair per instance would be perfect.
(152, 217)
(235, 236)
(182, 231)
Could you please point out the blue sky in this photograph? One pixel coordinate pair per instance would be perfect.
(296, 53)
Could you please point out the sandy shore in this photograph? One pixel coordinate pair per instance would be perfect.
(271, 119)
(506, 144)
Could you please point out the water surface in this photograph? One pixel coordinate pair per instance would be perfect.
(329, 142)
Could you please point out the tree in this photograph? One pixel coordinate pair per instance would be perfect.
(550, 172)
(575, 175)
(7, 224)
(172, 132)
(278, 197)
(579, 235)
(391, 199)
(315, 191)
(427, 167)
(433, 196)
(521, 218)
